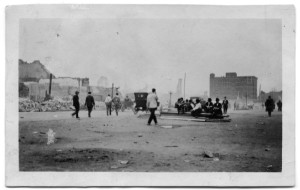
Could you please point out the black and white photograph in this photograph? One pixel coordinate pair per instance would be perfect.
(133, 90)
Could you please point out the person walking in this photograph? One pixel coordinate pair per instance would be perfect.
(117, 103)
(152, 106)
(76, 104)
(270, 105)
(108, 104)
(225, 105)
(89, 103)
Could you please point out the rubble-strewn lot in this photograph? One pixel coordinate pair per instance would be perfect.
(57, 104)
(250, 143)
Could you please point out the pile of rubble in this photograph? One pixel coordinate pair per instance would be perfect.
(56, 104)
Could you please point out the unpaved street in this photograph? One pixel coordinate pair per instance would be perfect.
(251, 142)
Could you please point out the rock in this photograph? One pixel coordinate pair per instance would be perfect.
(208, 154)
(123, 161)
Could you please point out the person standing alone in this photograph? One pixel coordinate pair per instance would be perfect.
(89, 103)
(76, 104)
(270, 105)
(152, 106)
(225, 105)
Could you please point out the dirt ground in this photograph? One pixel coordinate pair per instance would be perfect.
(251, 142)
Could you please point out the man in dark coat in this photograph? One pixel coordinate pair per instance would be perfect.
(279, 105)
(209, 106)
(117, 103)
(270, 105)
(225, 105)
(217, 109)
(76, 104)
(89, 103)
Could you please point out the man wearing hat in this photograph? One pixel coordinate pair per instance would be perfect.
(89, 103)
(217, 109)
(225, 105)
(76, 104)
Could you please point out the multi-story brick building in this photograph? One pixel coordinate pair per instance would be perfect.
(233, 86)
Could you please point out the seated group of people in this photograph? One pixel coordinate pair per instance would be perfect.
(197, 108)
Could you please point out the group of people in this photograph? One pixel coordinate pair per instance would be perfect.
(90, 104)
(196, 108)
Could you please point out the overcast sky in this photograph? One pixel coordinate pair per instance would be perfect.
(157, 52)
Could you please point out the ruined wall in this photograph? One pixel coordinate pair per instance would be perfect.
(32, 71)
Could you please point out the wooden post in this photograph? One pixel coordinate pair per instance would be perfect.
(184, 85)
(112, 90)
(170, 99)
(50, 84)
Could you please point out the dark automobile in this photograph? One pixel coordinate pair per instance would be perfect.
(140, 101)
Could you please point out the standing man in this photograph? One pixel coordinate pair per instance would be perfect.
(152, 106)
(117, 103)
(89, 103)
(108, 105)
(225, 105)
(76, 104)
(279, 105)
(270, 105)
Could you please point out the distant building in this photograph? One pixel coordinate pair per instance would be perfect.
(233, 86)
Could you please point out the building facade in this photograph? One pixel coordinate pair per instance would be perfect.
(233, 86)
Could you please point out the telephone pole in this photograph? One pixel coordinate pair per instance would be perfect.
(112, 90)
(170, 99)
(184, 86)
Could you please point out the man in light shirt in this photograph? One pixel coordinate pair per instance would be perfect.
(108, 104)
(152, 106)
(197, 109)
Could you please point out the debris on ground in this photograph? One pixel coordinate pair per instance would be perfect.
(261, 123)
(267, 149)
(114, 167)
(269, 167)
(123, 161)
(187, 161)
(55, 104)
(216, 159)
(172, 146)
(167, 127)
(208, 154)
(51, 137)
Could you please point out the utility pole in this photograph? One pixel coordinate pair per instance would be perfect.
(112, 90)
(50, 85)
(170, 99)
(184, 86)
